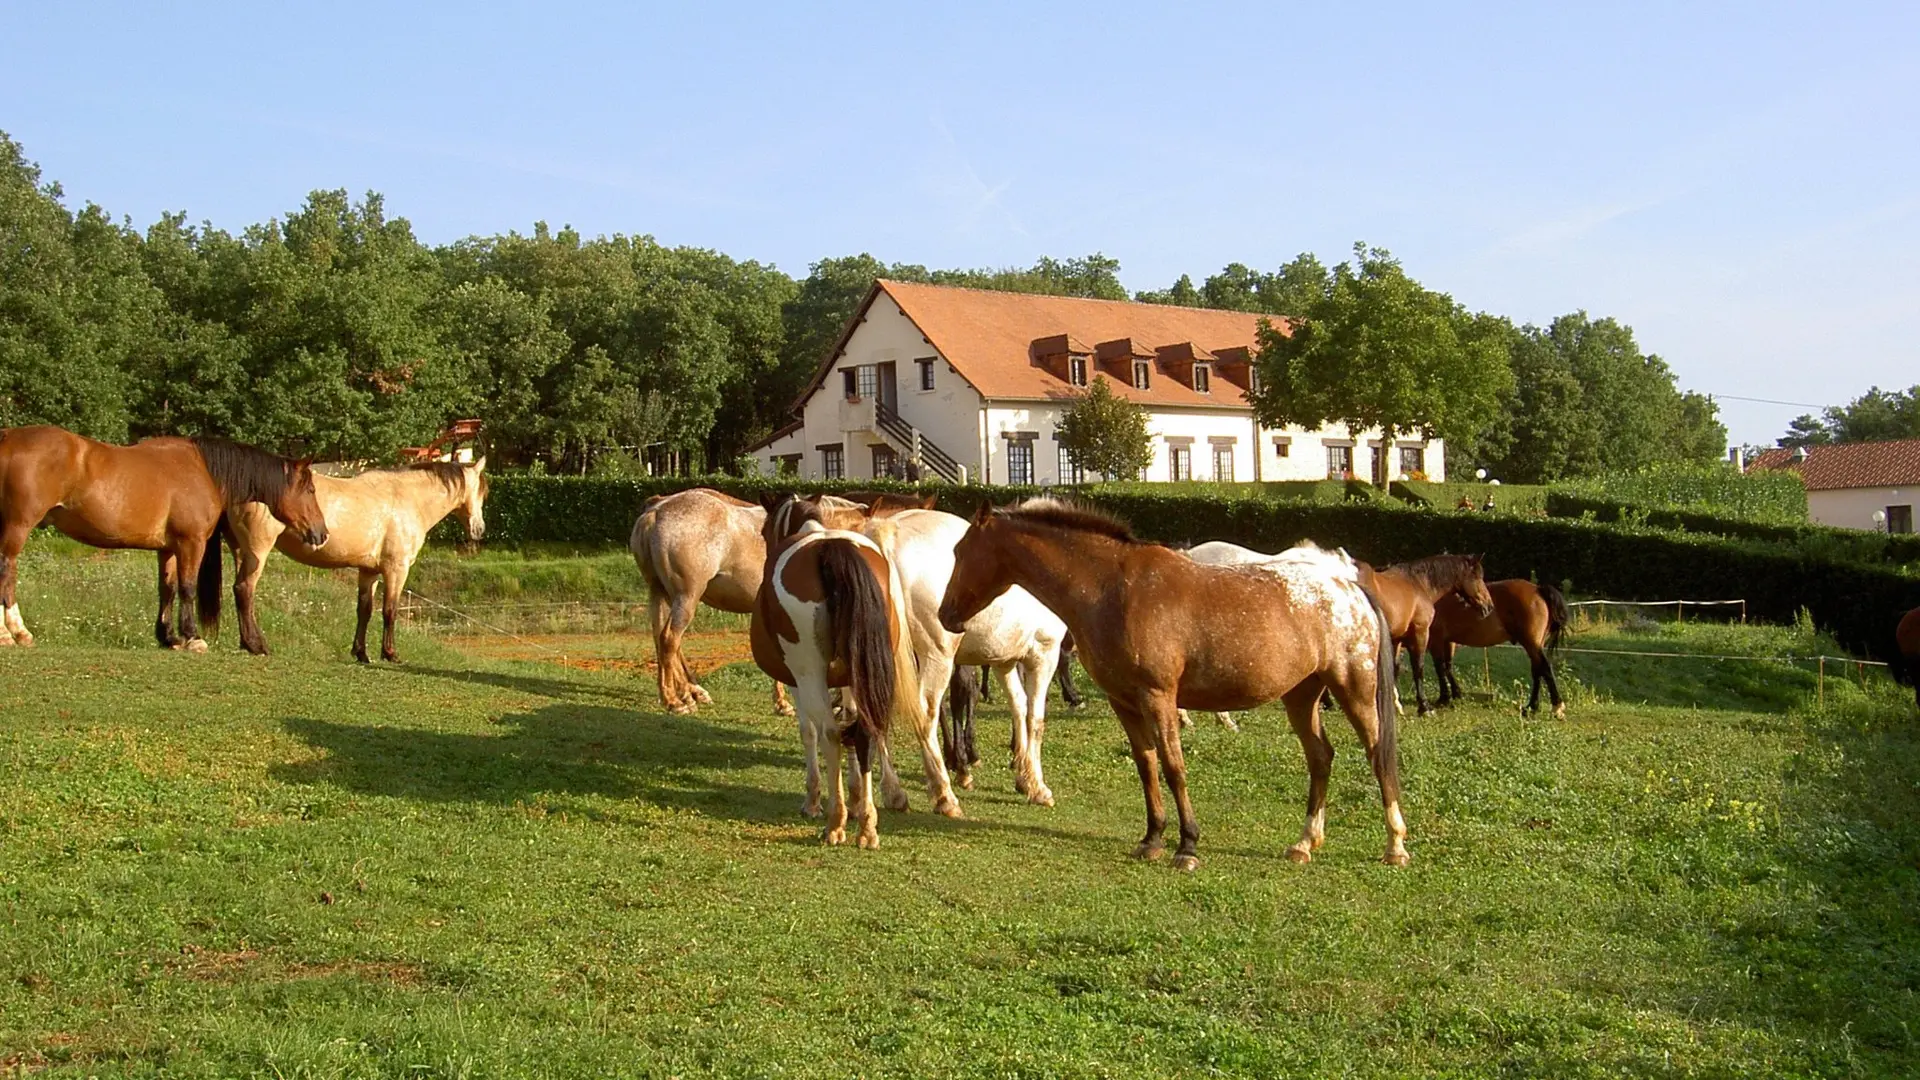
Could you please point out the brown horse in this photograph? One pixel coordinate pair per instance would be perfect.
(1531, 616)
(1407, 593)
(1908, 637)
(831, 613)
(378, 521)
(704, 546)
(167, 495)
(1156, 631)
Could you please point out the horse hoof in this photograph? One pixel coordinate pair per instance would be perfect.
(391, 658)
(1147, 852)
(1185, 720)
(784, 710)
(1301, 852)
(700, 695)
(5, 640)
(1397, 858)
(196, 645)
(1042, 797)
(685, 708)
(966, 782)
(1022, 785)
(834, 837)
(949, 807)
(1559, 712)
(811, 810)
(1227, 721)
(869, 841)
(1186, 864)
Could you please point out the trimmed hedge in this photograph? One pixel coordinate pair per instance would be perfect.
(1851, 544)
(1857, 601)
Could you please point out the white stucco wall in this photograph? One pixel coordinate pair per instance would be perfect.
(1852, 508)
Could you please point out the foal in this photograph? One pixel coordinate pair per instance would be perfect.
(1156, 631)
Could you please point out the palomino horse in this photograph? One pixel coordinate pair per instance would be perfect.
(1907, 636)
(1014, 635)
(1407, 593)
(378, 522)
(1531, 616)
(830, 613)
(167, 495)
(701, 545)
(1156, 630)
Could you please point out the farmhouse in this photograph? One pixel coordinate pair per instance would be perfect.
(1866, 485)
(970, 385)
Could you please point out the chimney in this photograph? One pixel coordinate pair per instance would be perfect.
(1799, 454)
(1737, 455)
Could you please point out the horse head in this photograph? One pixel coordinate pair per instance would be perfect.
(298, 505)
(1472, 584)
(473, 499)
(786, 513)
(980, 571)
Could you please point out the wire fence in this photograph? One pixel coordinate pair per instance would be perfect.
(1680, 606)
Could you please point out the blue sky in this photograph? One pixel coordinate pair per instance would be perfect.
(1740, 183)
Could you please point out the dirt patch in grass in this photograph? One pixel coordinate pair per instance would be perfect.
(608, 652)
(217, 965)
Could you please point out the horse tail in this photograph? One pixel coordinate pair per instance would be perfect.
(907, 699)
(859, 632)
(1557, 616)
(1386, 698)
(212, 560)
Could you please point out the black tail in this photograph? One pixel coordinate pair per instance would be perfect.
(1557, 616)
(1386, 703)
(858, 621)
(207, 600)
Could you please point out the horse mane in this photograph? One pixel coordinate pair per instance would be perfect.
(244, 473)
(1076, 517)
(452, 474)
(1439, 573)
(799, 513)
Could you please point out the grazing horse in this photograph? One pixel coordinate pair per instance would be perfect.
(1531, 616)
(167, 495)
(1908, 638)
(378, 521)
(701, 545)
(1407, 593)
(1014, 635)
(1156, 630)
(831, 613)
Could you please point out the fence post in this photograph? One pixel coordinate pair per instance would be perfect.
(1823, 683)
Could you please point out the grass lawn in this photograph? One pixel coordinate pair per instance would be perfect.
(225, 865)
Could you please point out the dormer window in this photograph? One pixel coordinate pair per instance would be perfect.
(1202, 378)
(1077, 370)
(1253, 379)
(1142, 374)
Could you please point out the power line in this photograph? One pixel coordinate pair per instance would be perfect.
(1766, 401)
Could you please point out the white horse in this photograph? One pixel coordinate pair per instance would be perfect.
(1015, 635)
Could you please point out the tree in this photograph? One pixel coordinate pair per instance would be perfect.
(1377, 350)
(1287, 291)
(1873, 416)
(1105, 434)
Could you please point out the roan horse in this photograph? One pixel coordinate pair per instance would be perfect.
(377, 522)
(831, 613)
(701, 545)
(1407, 593)
(1531, 616)
(167, 495)
(1156, 630)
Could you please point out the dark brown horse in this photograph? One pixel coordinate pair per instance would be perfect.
(1908, 637)
(1157, 631)
(1407, 593)
(1531, 616)
(167, 495)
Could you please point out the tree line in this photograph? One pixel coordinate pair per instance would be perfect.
(1874, 416)
(334, 331)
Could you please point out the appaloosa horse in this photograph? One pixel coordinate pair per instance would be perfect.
(831, 613)
(1156, 630)
(166, 494)
(1407, 594)
(377, 523)
(701, 545)
(1531, 616)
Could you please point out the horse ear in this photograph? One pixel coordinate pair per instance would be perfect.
(928, 502)
(983, 513)
(770, 499)
(480, 466)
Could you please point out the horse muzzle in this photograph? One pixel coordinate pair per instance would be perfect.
(315, 537)
(950, 620)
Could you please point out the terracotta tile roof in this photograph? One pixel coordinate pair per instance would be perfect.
(1851, 465)
(1014, 346)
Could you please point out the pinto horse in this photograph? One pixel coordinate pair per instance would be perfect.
(1907, 636)
(1407, 593)
(167, 495)
(377, 523)
(1531, 616)
(831, 613)
(704, 546)
(1156, 631)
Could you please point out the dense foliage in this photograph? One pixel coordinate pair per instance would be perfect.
(1875, 415)
(1106, 435)
(1717, 489)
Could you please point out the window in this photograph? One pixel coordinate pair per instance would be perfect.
(1339, 461)
(1413, 459)
(1900, 519)
(1253, 379)
(886, 463)
(1179, 462)
(1283, 448)
(1142, 374)
(787, 465)
(847, 377)
(1202, 378)
(1020, 461)
(1070, 473)
(926, 373)
(869, 380)
(1077, 370)
(1223, 462)
(833, 462)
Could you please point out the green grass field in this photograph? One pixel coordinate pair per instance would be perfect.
(224, 865)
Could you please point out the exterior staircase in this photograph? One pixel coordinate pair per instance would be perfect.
(915, 447)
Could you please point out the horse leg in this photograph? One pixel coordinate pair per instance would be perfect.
(163, 623)
(393, 585)
(679, 617)
(836, 826)
(246, 580)
(1063, 675)
(1141, 740)
(781, 706)
(1227, 721)
(1028, 694)
(1173, 762)
(367, 578)
(1303, 712)
(1185, 719)
(658, 614)
(1356, 697)
(187, 569)
(1535, 662)
(1416, 654)
(861, 804)
(1443, 672)
(810, 748)
(1553, 687)
(892, 792)
(13, 540)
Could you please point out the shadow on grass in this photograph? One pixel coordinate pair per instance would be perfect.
(540, 686)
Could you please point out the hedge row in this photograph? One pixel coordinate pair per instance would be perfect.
(1715, 488)
(1848, 544)
(1858, 602)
